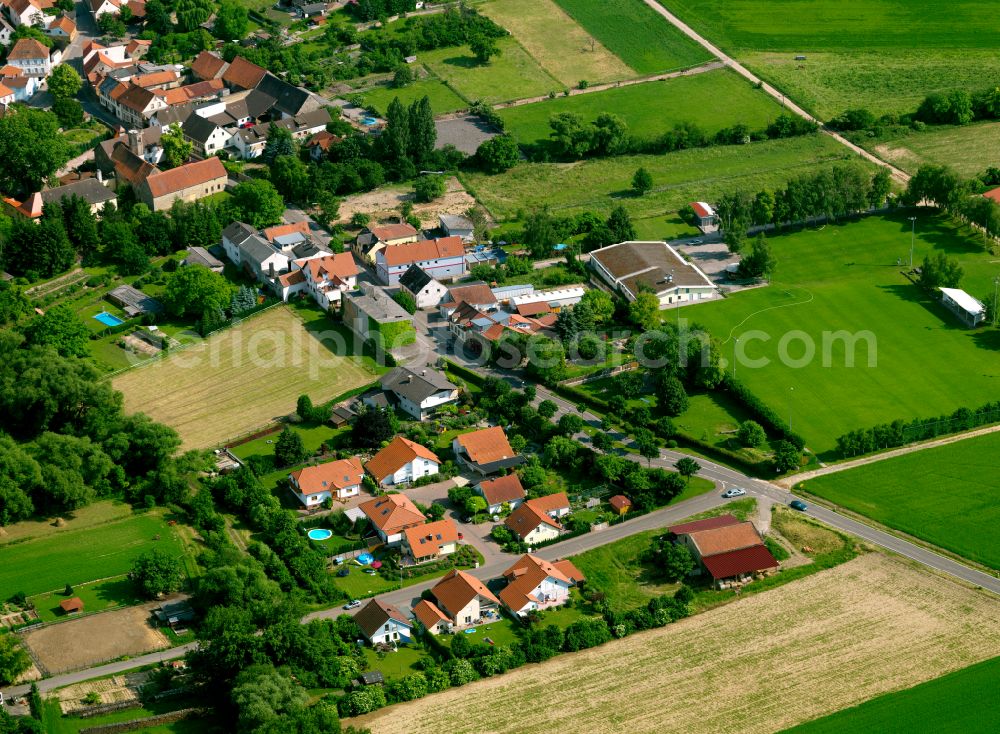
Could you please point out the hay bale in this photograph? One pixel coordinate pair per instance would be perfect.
(59, 522)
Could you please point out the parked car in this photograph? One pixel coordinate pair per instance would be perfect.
(695, 242)
(798, 505)
(734, 492)
(352, 604)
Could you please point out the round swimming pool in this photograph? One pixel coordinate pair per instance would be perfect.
(320, 534)
(365, 558)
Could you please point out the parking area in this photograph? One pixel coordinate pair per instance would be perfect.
(713, 258)
(465, 132)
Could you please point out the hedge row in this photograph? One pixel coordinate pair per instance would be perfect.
(463, 372)
(762, 413)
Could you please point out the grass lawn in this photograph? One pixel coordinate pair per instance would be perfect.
(394, 664)
(442, 98)
(359, 584)
(958, 703)
(617, 570)
(947, 146)
(654, 108)
(944, 495)
(637, 34)
(55, 723)
(98, 513)
(558, 43)
(503, 631)
(846, 278)
(512, 75)
(246, 376)
(97, 596)
(312, 437)
(678, 178)
(50, 562)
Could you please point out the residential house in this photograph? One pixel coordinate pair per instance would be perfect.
(289, 100)
(705, 217)
(731, 551)
(7, 96)
(242, 74)
(534, 583)
(63, 27)
(6, 31)
(320, 143)
(391, 515)
(100, 7)
(505, 490)
(418, 394)
(464, 599)
(443, 258)
(206, 136)
(536, 521)
(630, 267)
(328, 277)
(92, 191)
(369, 308)
(454, 225)
(25, 12)
(190, 182)
(208, 65)
(425, 291)
(31, 57)
(429, 542)
(22, 86)
(340, 480)
(475, 327)
(250, 141)
(375, 237)
(433, 619)
(130, 157)
(383, 623)
(477, 295)
(254, 254)
(132, 104)
(210, 91)
(401, 462)
(201, 256)
(485, 451)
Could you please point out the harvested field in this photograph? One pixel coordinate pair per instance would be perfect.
(243, 378)
(385, 203)
(831, 640)
(87, 641)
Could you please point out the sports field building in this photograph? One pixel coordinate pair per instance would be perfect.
(630, 267)
(969, 311)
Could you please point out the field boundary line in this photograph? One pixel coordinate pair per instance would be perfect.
(772, 308)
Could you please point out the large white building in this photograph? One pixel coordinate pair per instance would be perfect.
(442, 259)
(630, 267)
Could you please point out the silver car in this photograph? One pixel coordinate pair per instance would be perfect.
(734, 492)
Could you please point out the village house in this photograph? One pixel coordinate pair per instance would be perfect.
(731, 551)
(7, 96)
(534, 584)
(536, 521)
(477, 295)
(334, 480)
(62, 27)
(454, 225)
(401, 462)
(130, 157)
(100, 7)
(442, 258)
(6, 30)
(18, 84)
(464, 599)
(25, 12)
(383, 623)
(319, 144)
(328, 277)
(391, 515)
(426, 543)
(425, 291)
(418, 394)
(433, 619)
(31, 57)
(505, 490)
(247, 249)
(369, 308)
(206, 136)
(630, 267)
(190, 182)
(207, 66)
(249, 141)
(485, 451)
(92, 191)
(378, 236)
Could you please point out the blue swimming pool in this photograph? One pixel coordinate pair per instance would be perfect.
(320, 534)
(370, 121)
(108, 319)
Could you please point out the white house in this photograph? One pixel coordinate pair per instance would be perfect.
(426, 292)
(401, 462)
(432, 618)
(485, 451)
(6, 31)
(505, 490)
(425, 543)
(100, 7)
(442, 258)
(25, 12)
(464, 599)
(248, 250)
(454, 225)
(207, 136)
(418, 394)
(31, 57)
(314, 485)
(630, 267)
(534, 583)
(391, 515)
(383, 623)
(328, 277)
(536, 520)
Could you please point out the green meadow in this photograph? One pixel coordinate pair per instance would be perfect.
(443, 99)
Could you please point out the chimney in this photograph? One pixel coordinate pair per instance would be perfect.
(270, 269)
(100, 175)
(135, 142)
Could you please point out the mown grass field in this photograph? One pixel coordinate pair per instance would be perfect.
(49, 562)
(511, 75)
(847, 278)
(946, 146)
(945, 495)
(962, 702)
(246, 376)
(870, 626)
(443, 99)
(678, 178)
(638, 35)
(557, 42)
(654, 108)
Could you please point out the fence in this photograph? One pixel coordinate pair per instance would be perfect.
(145, 723)
(107, 708)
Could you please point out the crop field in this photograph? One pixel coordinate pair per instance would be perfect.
(443, 99)
(678, 178)
(962, 702)
(557, 42)
(868, 627)
(948, 146)
(945, 495)
(846, 278)
(512, 75)
(72, 556)
(637, 34)
(654, 108)
(245, 377)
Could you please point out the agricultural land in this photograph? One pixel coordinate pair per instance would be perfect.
(871, 626)
(946, 146)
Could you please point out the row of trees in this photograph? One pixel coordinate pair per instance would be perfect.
(957, 107)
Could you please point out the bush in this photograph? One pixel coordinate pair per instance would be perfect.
(429, 187)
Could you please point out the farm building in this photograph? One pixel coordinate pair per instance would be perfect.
(201, 256)
(553, 299)
(391, 515)
(383, 623)
(133, 301)
(731, 551)
(429, 542)
(454, 225)
(630, 267)
(314, 485)
(176, 614)
(426, 292)
(707, 219)
(485, 451)
(968, 310)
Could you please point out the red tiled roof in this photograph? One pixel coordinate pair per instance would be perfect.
(207, 65)
(620, 502)
(63, 23)
(502, 489)
(154, 79)
(186, 176)
(533, 309)
(426, 540)
(428, 613)
(272, 233)
(181, 95)
(700, 209)
(423, 250)
(393, 513)
(330, 476)
(993, 194)
(5, 92)
(400, 451)
(528, 573)
(487, 445)
(725, 539)
(72, 605)
(551, 502)
(340, 266)
(476, 294)
(243, 73)
(707, 524)
(744, 560)
(384, 232)
(526, 518)
(138, 8)
(457, 588)
(28, 48)
(293, 278)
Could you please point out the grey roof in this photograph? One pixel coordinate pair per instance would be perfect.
(377, 305)
(256, 249)
(258, 102)
(174, 114)
(134, 300)
(201, 256)
(414, 279)
(648, 264)
(90, 190)
(298, 123)
(414, 386)
(308, 249)
(289, 99)
(199, 128)
(238, 233)
(454, 221)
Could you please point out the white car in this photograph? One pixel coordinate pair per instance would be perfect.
(353, 604)
(734, 492)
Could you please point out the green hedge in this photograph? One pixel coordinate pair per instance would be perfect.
(463, 372)
(764, 414)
